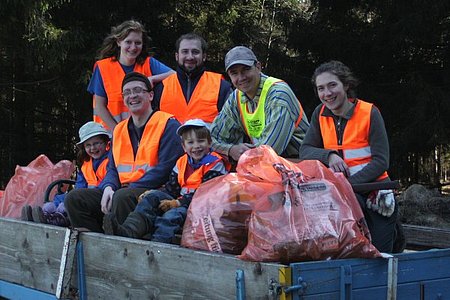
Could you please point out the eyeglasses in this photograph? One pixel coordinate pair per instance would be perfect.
(135, 91)
(93, 145)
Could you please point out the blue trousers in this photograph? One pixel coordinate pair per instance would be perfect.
(165, 224)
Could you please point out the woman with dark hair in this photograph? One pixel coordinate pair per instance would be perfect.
(123, 51)
(348, 135)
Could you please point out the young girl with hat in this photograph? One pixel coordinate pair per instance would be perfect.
(92, 159)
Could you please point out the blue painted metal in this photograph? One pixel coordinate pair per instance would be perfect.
(346, 283)
(18, 292)
(424, 272)
(81, 272)
(300, 287)
(240, 285)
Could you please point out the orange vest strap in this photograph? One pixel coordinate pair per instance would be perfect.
(131, 168)
(112, 76)
(203, 101)
(355, 142)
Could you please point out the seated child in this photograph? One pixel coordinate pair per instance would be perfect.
(160, 214)
(92, 159)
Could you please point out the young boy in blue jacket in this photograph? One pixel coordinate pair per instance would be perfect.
(161, 213)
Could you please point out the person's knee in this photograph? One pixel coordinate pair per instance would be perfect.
(70, 201)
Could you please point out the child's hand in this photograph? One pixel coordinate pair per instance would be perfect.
(165, 205)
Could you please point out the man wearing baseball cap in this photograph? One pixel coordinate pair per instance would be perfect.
(262, 110)
(144, 150)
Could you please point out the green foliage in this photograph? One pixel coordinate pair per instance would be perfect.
(399, 50)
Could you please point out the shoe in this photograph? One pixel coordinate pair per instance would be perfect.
(38, 215)
(56, 218)
(135, 225)
(26, 214)
(110, 224)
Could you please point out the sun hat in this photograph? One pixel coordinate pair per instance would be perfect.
(135, 76)
(91, 129)
(240, 55)
(191, 123)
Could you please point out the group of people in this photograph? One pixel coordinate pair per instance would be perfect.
(159, 134)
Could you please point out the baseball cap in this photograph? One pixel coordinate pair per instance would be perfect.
(191, 123)
(135, 76)
(91, 129)
(240, 55)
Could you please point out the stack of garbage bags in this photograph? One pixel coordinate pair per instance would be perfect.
(275, 210)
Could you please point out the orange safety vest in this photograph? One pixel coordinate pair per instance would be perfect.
(93, 178)
(203, 101)
(189, 185)
(112, 75)
(260, 109)
(355, 142)
(131, 168)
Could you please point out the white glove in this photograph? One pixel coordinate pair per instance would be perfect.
(382, 201)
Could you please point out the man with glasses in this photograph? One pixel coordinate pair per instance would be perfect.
(144, 150)
(262, 110)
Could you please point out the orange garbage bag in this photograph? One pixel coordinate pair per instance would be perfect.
(28, 184)
(293, 212)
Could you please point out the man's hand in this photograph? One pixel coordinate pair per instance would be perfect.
(107, 199)
(337, 164)
(237, 150)
(165, 205)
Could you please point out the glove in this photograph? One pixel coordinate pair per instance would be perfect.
(165, 205)
(382, 201)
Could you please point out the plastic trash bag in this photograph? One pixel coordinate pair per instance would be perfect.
(28, 184)
(293, 212)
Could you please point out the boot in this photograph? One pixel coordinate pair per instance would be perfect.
(135, 225)
(26, 214)
(56, 218)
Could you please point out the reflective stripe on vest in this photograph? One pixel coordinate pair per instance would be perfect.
(189, 185)
(112, 75)
(355, 142)
(93, 178)
(255, 122)
(203, 101)
(131, 168)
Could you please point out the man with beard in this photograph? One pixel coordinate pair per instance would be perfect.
(192, 92)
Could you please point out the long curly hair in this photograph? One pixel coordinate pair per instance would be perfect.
(110, 48)
(342, 72)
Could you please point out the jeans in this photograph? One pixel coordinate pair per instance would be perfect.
(165, 224)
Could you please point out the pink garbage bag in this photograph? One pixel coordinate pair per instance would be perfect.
(28, 184)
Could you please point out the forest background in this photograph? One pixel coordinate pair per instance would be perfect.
(398, 49)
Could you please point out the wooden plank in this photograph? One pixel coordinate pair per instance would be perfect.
(125, 268)
(30, 254)
(420, 237)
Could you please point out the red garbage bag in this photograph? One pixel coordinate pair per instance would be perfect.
(28, 184)
(315, 217)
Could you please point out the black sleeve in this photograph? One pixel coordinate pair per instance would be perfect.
(225, 91)
(157, 92)
(312, 145)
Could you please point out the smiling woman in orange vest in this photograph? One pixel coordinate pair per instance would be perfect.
(123, 51)
(348, 135)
